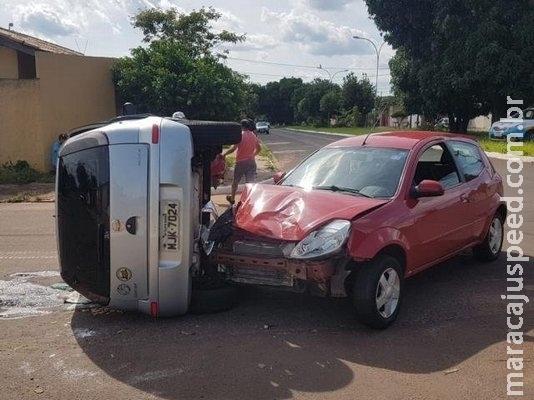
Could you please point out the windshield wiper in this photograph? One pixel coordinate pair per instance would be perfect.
(335, 188)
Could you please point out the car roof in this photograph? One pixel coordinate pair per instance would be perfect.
(398, 139)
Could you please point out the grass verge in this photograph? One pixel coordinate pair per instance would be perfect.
(493, 146)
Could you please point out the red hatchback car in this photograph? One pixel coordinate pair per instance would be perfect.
(360, 215)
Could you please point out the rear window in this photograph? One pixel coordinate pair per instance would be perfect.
(83, 219)
(468, 158)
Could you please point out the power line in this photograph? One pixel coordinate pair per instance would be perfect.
(299, 66)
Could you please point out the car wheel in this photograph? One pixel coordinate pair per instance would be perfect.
(529, 136)
(377, 292)
(490, 248)
(210, 295)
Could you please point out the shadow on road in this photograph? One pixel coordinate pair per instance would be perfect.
(274, 343)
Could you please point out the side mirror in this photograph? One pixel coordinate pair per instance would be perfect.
(428, 188)
(278, 176)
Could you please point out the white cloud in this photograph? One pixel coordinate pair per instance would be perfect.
(46, 19)
(329, 5)
(283, 37)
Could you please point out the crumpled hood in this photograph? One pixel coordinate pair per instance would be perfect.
(289, 213)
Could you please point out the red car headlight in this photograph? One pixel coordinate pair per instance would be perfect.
(325, 240)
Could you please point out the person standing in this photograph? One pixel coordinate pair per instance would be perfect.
(245, 163)
(55, 149)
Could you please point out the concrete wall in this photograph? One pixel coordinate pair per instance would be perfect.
(69, 91)
(8, 64)
(481, 123)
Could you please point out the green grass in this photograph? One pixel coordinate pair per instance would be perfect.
(488, 145)
(497, 146)
(21, 172)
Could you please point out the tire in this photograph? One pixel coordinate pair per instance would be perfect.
(529, 136)
(490, 248)
(377, 292)
(213, 133)
(211, 296)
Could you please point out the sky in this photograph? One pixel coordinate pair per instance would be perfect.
(305, 39)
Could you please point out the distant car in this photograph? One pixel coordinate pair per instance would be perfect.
(263, 127)
(522, 128)
(360, 215)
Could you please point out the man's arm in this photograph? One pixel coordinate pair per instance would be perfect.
(230, 150)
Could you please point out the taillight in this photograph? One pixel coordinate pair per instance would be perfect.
(155, 134)
(154, 310)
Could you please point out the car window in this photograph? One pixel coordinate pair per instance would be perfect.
(370, 171)
(437, 164)
(469, 159)
(529, 114)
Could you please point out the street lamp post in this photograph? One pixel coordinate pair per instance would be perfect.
(331, 76)
(327, 71)
(377, 50)
(338, 72)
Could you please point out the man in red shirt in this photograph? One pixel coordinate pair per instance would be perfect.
(245, 163)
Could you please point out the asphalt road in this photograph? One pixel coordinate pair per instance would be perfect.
(448, 343)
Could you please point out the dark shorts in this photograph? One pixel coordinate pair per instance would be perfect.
(245, 168)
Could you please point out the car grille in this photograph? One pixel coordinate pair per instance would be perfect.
(250, 248)
(259, 276)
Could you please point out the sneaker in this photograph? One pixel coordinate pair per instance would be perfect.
(230, 200)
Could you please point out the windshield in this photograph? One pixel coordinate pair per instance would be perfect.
(366, 171)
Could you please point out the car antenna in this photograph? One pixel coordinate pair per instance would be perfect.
(374, 126)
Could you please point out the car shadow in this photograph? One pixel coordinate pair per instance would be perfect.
(273, 343)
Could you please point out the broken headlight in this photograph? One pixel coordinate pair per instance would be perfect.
(325, 240)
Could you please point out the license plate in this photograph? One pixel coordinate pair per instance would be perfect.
(169, 226)
(497, 134)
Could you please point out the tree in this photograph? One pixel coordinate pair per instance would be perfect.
(460, 58)
(277, 100)
(178, 69)
(330, 103)
(359, 94)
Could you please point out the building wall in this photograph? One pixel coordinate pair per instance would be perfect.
(480, 123)
(20, 114)
(69, 91)
(8, 64)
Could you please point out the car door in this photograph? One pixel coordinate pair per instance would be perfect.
(440, 224)
(477, 181)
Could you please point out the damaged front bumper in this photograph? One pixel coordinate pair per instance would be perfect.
(321, 277)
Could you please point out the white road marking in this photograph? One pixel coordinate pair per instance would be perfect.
(27, 255)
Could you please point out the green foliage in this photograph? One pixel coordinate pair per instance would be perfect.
(351, 118)
(330, 103)
(277, 100)
(21, 172)
(459, 59)
(358, 93)
(179, 69)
